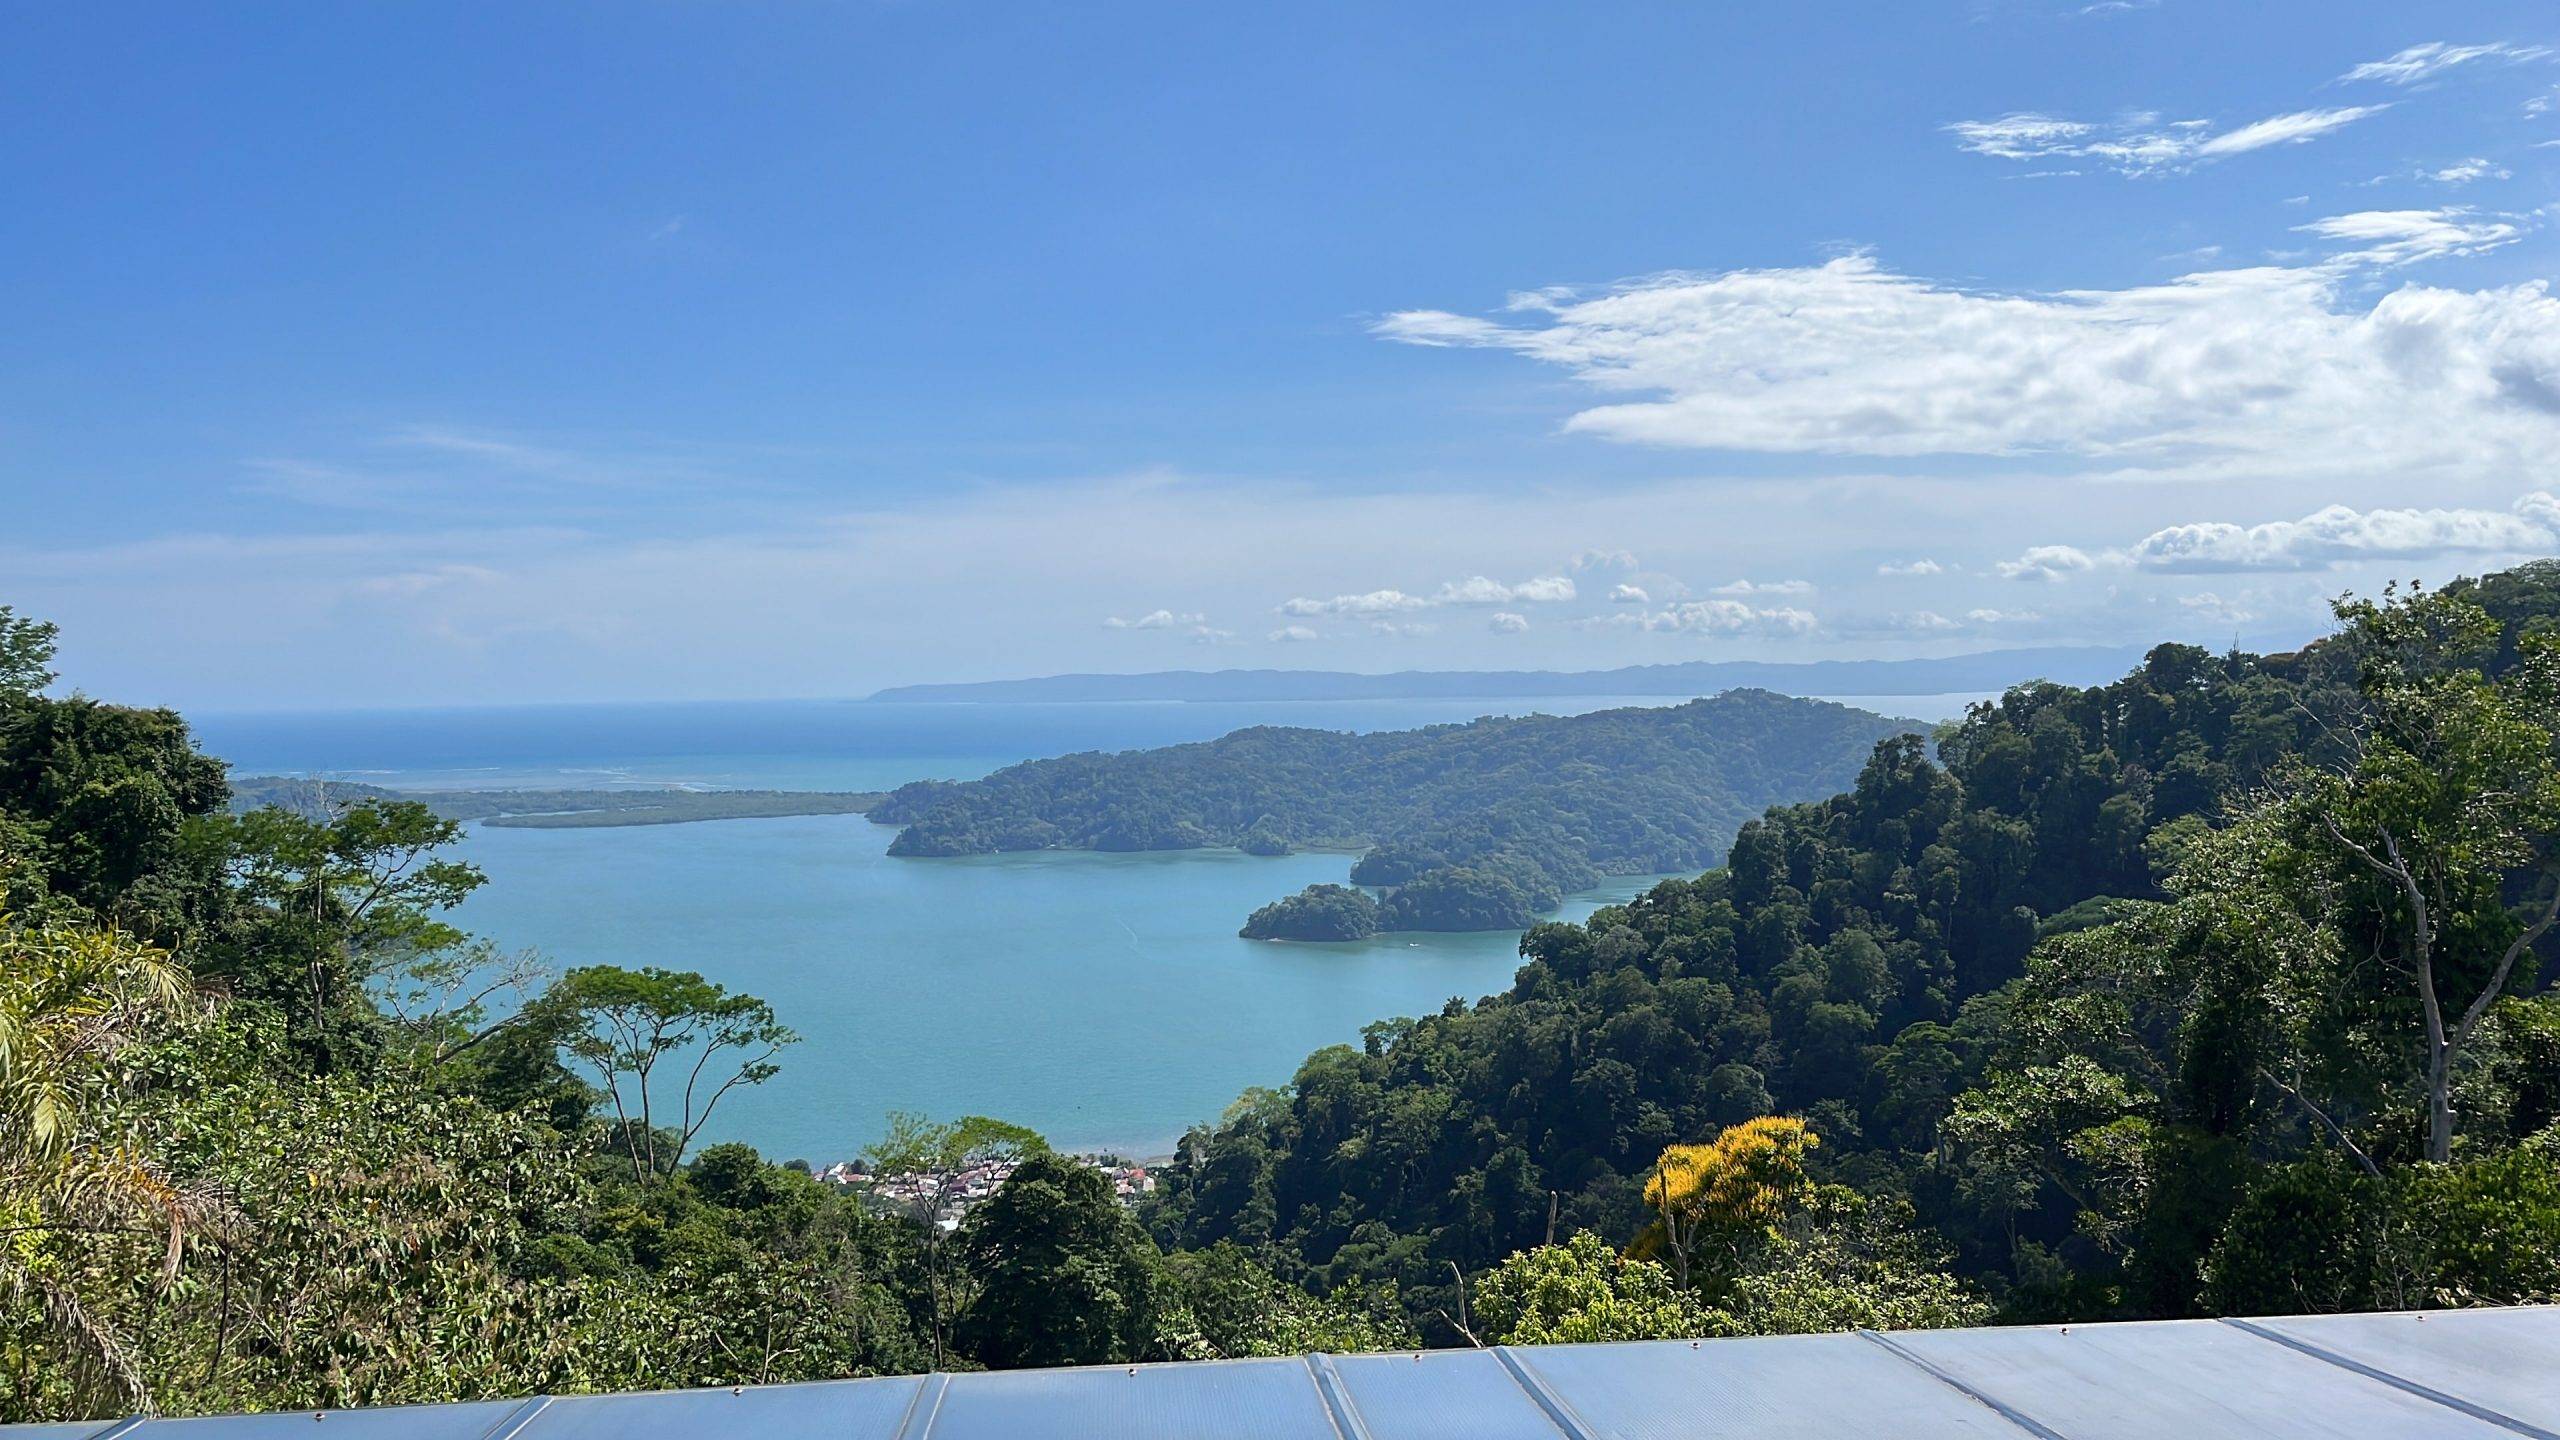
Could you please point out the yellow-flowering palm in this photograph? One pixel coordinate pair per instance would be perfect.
(1744, 1180)
(71, 999)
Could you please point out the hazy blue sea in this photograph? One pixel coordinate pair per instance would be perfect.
(1103, 999)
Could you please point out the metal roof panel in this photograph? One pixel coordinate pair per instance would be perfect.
(2174, 1379)
(2506, 1361)
(1797, 1387)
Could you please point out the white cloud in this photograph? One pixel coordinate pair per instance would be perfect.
(1293, 634)
(1721, 617)
(1765, 587)
(1153, 620)
(2424, 62)
(1923, 621)
(2001, 617)
(1605, 560)
(2046, 562)
(1400, 629)
(1628, 595)
(1375, 602)
(1506, 623)
(2338, 534)
(2020, 135)
(1210, 635)
(1923, 566)
(2401, 237)
(2267, 370)
(2463, 172)
(2141, 143)
(1478, 590)
(2206, 603)
(2288, 129)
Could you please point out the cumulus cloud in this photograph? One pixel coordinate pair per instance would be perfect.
(1629, 595)
(2425, 62)
(1605, 560)
(1721, 617)
(2001, 617)
(2142, 143)
(1478, 590)
(1474, 590)
(2338, 534)
(1922, 566)
(2401, 237)
(1506, 623)
(1923, 622)
(1375, 602)
(1154, 620)
(2271, 368)
(2047, 563)
(1765, 587)
(2207, 603)
(1292, 634)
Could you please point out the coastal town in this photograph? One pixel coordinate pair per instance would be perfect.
(949, 1197)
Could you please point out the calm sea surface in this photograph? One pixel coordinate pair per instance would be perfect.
(1102, 999)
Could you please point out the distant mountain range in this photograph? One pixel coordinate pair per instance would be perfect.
(1983, 670)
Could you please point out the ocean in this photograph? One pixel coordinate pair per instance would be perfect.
(1103, 1000)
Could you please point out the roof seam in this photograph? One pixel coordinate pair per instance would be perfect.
(924, 1407)
(2371, 1372)
(1543, 1395)
(518, 1418)
(1336, 1397)
(1998, 1407)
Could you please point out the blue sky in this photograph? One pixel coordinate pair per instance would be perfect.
(409, 354)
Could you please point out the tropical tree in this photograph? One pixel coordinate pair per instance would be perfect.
(1581, 1291)
(925, 1164)
(26, 653)
(2444, 816)
(629, 1026)
(73, 1000)
(333, 904)
(1064, 1275)
(1721, 1193)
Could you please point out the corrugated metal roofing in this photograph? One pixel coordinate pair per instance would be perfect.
(2438, 1375)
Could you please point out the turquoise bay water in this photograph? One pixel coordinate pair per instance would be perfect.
(1102, 999)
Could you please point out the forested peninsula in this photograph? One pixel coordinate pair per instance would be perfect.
(551, 809)
(1478, 826)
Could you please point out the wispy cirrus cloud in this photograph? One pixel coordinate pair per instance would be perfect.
(2435, 57)
(2142, 143)
(2403, 237)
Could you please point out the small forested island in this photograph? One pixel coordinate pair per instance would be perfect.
(1478, 826)
(552, 809)
(1319, 912)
